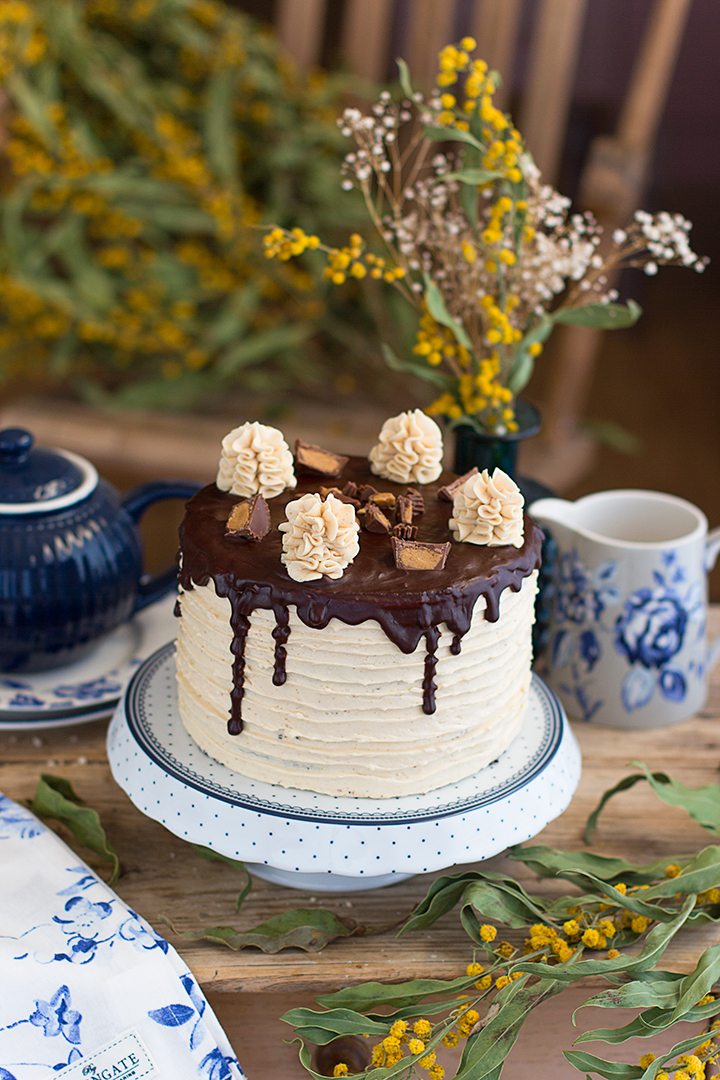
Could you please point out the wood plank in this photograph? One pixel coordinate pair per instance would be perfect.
(365, 37)
(652, 74)
(548, 88)
(300, 27)
(165, 880)
(431, 27)
(495, 25)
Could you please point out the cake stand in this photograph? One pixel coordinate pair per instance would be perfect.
(323, 843)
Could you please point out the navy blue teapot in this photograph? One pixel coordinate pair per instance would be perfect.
(71, 563)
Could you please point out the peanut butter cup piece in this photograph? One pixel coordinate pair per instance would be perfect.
(351, 490)
(340, 495)
(366, 492)
(417, 500)
(404, 531)
(403, 510)
(315, 459)
(249, 520)
(385, 499)
(415, 555)
(374, 520)
(448, 493)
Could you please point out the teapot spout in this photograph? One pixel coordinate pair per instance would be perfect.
(553, 512)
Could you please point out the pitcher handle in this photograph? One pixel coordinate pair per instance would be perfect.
(135, 504)
(712, 550)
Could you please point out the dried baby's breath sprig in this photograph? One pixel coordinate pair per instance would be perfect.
(491, 258)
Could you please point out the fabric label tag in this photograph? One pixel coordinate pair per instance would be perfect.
(124, 1058)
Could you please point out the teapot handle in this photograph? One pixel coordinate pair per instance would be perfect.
(135, 504)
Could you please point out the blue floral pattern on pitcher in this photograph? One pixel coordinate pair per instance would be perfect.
(651, 631)
(582, 597)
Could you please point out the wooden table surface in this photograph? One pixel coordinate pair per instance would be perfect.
(167, 882)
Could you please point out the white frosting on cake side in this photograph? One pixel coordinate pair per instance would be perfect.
(349, 718)
(409, 449)
(488, 510)
(255, 459)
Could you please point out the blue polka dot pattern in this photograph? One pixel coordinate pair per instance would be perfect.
(365, 842)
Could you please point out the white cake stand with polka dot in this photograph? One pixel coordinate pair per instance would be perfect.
(330, 844)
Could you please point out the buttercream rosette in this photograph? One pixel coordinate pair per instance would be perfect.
(488, 510)
(409, 449)
(320, 537)
(255, 460)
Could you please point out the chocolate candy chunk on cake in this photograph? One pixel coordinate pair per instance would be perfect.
(355, 626)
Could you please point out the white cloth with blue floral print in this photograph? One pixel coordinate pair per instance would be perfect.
(86, 985)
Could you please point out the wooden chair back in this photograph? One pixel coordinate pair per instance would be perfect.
(614, 176)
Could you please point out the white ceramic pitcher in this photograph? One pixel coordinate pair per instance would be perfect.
(627, 641)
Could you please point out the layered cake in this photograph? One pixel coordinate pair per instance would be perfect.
(354, 626)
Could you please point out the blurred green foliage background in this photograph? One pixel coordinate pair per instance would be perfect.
(144, 142)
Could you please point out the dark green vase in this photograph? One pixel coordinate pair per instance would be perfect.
(476, 449)
(473, 449)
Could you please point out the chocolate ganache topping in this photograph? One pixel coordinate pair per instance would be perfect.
(408, 606)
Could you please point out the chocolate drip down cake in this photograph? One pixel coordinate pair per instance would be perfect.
(355, 626)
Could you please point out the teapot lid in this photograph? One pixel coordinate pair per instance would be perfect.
(36, 480)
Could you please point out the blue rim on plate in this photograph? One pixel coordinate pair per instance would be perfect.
(140, 725)
(102, 693)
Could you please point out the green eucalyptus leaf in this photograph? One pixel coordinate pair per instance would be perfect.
(615, 1070)
(623, 785)
(552, 862)
(661, 1060)
(645, 1026)
(309, 929)
(651, 1022)
(438, 133)
(441, 897)
(332, 1023)
(520, 372)
(503, 900)
(474, 177)
(523, 363)
(488, 1049)
(469, 204)
(56, 799)
(305, 1057)
(628, 901)
(371, 994)
(540, 332)
(404, 78)
(424, 1007)
(698, 983)
(652, 989)
(220, 126)
(610, 1070)
(418, 368)
(438, 310)
(701, 803)
(32, 105)
(652, 949)
(700, 873)
(599, 316)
